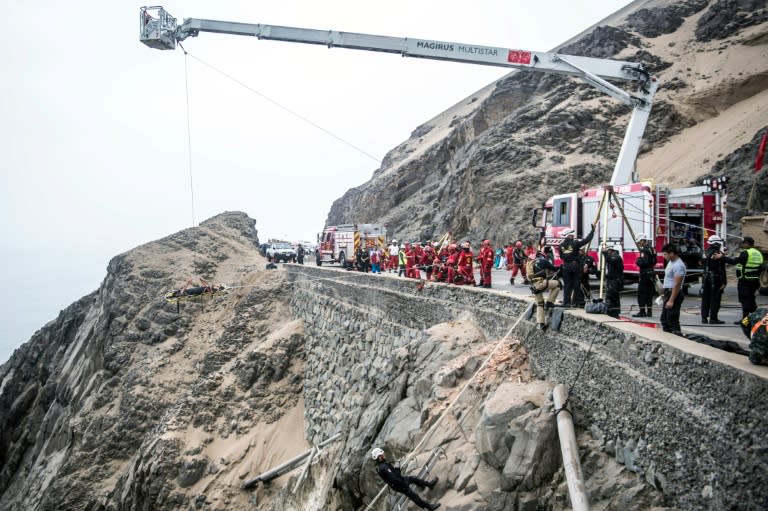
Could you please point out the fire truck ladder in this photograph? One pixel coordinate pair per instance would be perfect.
(661, 210)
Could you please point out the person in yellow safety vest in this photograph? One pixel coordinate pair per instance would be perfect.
(748, 264)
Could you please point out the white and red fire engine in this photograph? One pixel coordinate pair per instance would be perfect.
(339, 243)
(665, 215)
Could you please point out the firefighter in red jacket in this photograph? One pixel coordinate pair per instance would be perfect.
(410, 262)
(465, 265)
(509, 251)
(451, 262)
(418, 252)
(427, 257)
(485, 260)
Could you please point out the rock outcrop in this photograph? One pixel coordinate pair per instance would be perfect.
(124, 403)
(480, 168)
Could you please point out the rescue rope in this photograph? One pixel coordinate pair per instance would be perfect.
(283, 107)
(578, 373)
(442, 414)
(189, 135)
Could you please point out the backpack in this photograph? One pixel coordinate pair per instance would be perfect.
(530, 268)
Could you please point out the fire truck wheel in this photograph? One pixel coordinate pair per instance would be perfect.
(342, 260)
(318, 261)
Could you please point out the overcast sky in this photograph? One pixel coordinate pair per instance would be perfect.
(94, 137)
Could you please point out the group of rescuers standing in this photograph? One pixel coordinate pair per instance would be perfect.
(451, 263)
(538, 270)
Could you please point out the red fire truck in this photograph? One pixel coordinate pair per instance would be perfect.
(665, 215)
(339, 243)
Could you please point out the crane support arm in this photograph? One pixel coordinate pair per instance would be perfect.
(159, 30)
(426, 49)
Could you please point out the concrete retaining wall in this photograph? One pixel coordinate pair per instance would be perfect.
(693, 419)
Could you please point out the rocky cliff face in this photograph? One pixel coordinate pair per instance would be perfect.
(479, 168)
(124, 403)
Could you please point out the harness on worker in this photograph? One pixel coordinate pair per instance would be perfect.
(400, 500)
(190, 292)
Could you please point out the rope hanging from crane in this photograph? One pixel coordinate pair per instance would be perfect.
(276, 103)
(189, 137)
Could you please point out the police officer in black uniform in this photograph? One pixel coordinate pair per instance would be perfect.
(713, 281)
(572, 267)
(588, 267)
(391, 475)
(646, 261)
(614, 279)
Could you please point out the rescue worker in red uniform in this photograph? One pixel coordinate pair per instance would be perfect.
(427, 257)
(485, 260)
(410, 262)
(465, 265)
(418, 253)
(394, 248)
(451, 262)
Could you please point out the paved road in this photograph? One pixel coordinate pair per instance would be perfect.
(690, 315)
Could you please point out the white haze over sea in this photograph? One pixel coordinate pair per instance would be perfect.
(93, 124)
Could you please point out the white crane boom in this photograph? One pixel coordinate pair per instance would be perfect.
(159, 30)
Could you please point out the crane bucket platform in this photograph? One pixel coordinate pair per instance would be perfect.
(157, 28)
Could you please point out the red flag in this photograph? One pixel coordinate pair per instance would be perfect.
(761, 153)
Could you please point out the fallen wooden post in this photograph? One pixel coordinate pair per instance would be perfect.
(570, 450)
(287, 466)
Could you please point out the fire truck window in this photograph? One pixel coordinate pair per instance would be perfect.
(562, 212)
(547, 217)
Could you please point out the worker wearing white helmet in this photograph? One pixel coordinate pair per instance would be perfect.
(394, 248)
(713, 281)
(391, 475)
(572, 267)
(646, 288)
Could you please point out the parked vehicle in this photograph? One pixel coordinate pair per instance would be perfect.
(281, 251)
(339, 243)
(666, 215)
(757, 227)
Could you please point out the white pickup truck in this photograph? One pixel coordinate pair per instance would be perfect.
(277, 252)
